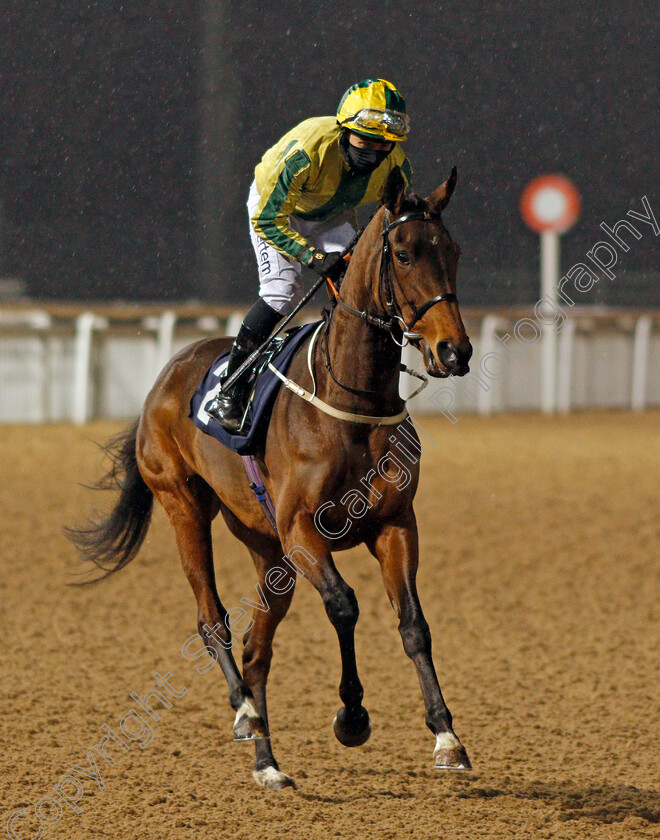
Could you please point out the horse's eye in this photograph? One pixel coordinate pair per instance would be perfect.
(402, 257)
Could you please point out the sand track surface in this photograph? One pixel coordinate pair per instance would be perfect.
(540, 549)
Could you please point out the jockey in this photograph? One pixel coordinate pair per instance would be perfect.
(302, 207)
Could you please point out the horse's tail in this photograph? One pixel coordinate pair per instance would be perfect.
(111, 542)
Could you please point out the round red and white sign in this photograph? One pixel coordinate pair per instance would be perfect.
(550, 203)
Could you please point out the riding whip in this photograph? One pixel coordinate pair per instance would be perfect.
(308, 296)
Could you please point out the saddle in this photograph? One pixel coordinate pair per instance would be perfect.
(265, 386)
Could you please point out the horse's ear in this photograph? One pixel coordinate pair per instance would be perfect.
(439, 199)
(394, 191)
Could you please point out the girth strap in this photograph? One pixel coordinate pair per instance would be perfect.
(258, 488)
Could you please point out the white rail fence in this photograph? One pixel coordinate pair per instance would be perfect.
(74, 363)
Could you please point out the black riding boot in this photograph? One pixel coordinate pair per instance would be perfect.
(229, 406)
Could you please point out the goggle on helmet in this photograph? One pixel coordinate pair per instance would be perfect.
(374, 108)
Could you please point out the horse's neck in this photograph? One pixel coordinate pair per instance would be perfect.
(362, 356)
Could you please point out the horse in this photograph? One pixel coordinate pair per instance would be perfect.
(400, 284)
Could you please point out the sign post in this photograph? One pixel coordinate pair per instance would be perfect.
(550, 206)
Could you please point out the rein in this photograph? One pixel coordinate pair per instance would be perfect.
(327, 315)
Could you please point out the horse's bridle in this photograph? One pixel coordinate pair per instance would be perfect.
(387, 297)
(391, 305)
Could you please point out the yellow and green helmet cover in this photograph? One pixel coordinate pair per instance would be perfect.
(374, 108)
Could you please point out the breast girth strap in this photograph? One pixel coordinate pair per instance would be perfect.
(348, 416)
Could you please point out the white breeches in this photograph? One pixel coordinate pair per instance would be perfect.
(279, 276)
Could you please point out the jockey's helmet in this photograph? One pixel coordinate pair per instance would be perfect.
(374, 108)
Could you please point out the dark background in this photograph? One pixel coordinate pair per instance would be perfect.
(129, 132)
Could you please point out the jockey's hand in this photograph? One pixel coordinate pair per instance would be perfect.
(328, 265)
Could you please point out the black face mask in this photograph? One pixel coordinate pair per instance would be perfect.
(363, 160)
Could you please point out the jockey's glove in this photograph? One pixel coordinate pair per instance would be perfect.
(327, 265)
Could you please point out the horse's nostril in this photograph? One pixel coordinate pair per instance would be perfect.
(448, 354)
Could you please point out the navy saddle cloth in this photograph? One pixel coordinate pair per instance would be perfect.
(262, 405)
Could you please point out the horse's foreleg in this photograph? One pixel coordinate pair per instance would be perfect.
(396, 548)
(258, 653)
(191, 517)
(307, 551)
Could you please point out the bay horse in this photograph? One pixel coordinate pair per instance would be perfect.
(402, 277)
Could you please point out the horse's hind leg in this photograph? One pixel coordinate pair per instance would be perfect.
(396, 548)
(274, 597)
(257, 655)
(191, 505)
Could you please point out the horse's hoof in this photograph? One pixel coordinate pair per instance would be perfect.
(248, 725)
(449, 753)
(352, 731)
(273, 779)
